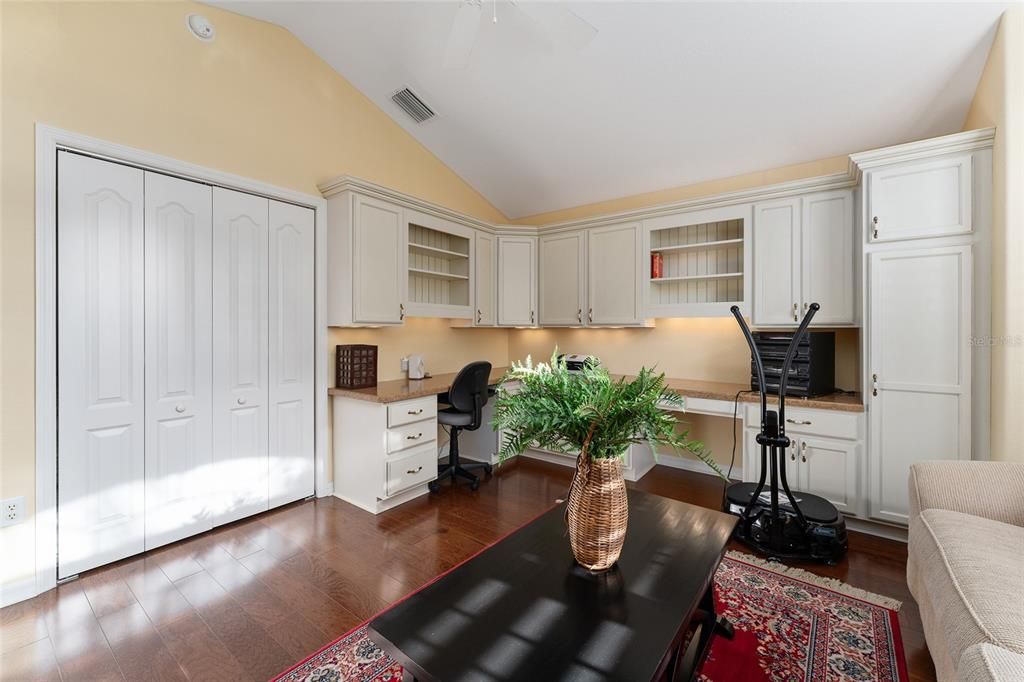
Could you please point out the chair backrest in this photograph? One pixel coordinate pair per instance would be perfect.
(469, 390)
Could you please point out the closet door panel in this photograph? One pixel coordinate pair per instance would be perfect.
(100, 382)
(178, 364)
(240, 355)
(291, 352)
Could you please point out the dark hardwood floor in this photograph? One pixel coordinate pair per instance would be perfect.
(248, 600)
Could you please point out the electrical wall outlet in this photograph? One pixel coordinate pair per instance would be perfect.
(403, 364)
(13, 509)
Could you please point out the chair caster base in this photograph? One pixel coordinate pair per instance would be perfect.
(474, 484)
(434, 486)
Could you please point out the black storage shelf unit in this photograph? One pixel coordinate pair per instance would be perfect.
(813, 370)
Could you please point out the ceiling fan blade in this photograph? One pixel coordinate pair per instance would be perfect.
(462, 38)
(563, 27)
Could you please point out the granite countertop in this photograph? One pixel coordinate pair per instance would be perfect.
(407, 389)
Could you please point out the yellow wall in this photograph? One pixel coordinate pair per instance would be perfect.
(836, 164)
(254, 102)
(999, 102)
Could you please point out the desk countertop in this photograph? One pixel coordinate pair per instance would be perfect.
(406, 389)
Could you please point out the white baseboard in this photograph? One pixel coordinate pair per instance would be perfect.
(882, 530)
(17, 590)
(696, 466)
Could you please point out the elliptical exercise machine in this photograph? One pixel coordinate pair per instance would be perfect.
(802, 527)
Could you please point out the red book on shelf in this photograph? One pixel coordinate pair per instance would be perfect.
(657, 265)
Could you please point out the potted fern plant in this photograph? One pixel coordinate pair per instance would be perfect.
(596, 417)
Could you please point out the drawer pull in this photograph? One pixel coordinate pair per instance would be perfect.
(414, 471)
(416, 437)
(415, 412)
(802, 422)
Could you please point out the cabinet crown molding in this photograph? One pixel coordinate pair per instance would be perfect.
(969, 140)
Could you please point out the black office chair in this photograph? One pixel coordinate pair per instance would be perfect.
(466, 399)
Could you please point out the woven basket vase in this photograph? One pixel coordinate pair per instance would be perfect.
(597, 512)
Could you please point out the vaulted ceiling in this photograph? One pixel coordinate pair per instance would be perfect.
(541, 111)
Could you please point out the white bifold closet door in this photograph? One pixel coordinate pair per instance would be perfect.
(179, 380)
(101, 363)
(185, 358)
(263, 292)
(292, 291)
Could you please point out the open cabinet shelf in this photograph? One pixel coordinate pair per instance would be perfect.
(439, 267)
(704, 263)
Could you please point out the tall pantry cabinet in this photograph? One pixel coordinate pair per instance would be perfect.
(926, 219)
(185, 358)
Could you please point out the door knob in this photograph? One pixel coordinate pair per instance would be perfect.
(179, 408)
(241, 401)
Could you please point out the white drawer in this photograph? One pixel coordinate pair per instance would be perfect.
(417, 466)
(409, 411)
(814, 422)
(411, 435)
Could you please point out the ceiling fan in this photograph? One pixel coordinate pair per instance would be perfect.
(560, 26)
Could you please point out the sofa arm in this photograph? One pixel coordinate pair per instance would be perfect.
(993, 490)
(986, 662)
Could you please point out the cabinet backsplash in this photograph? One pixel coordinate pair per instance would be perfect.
(691, 348)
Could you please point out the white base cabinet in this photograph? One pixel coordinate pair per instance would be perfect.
(384, 454)
(825, 457)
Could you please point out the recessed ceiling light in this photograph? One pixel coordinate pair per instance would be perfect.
(200, 27)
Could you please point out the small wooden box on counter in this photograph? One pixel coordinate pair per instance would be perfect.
(356, 366)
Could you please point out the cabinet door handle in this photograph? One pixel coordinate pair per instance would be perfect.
(803, 422)
(531, 317)
(241, 401)
(792, 454)
(803, 451)
(795, 318)
(416, 437)
(579, 315)
(590, 315)
(179, 408)
(874, 222)
(479, 316)
(874, 384)
(420, 411)
(414, 471)
(805, 307)
(401, 311)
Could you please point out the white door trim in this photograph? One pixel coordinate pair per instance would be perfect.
(48, 140)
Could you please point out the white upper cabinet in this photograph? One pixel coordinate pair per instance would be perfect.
(827, 257)
(777, 263)
(486, 275)
(563, 279)
(614, 275)
(517, 281)
(803, 254)
(366, 272)
(930, 198)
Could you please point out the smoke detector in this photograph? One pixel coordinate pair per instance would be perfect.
(200, 27)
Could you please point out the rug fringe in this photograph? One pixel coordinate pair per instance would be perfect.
(833, 584)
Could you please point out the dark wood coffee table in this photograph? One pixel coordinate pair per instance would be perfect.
(523, 609)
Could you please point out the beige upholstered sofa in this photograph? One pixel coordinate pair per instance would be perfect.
(966, 567)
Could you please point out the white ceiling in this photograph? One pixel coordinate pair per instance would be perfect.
(665, 95)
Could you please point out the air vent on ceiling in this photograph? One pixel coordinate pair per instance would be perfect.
(411, 104)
